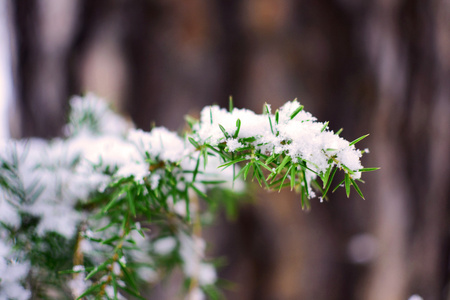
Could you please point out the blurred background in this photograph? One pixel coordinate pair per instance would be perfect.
(370, 66)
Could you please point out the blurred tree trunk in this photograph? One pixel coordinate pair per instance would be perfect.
(408, 50)
(43, 33)
(369, 66)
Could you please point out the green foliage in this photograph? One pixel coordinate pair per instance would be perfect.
(135, 227)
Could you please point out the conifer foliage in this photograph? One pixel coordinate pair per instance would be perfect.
(108, 209)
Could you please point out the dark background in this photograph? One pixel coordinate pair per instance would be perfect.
(375, 66)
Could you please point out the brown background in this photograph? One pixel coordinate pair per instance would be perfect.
(375, 66)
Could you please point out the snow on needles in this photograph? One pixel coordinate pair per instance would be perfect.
(12, 274)
(160, 144)
(100, 147)
(91, 114)
(294, 132)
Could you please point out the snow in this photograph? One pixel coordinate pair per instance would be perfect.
(212, 172)
(109, 290)
(196, 294)
(301, 137)
(207, 274)
(192, 251)
(160, 144)
(165, 245)
(78, 284)
(234, 144)
(101, 147)
(91, 114)
(148, 274)
(8, 213)
(50, 167)
(99, 142)
(78, 268)
(116, 268)
(213, 116)
(12, 273)
(111, 152)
